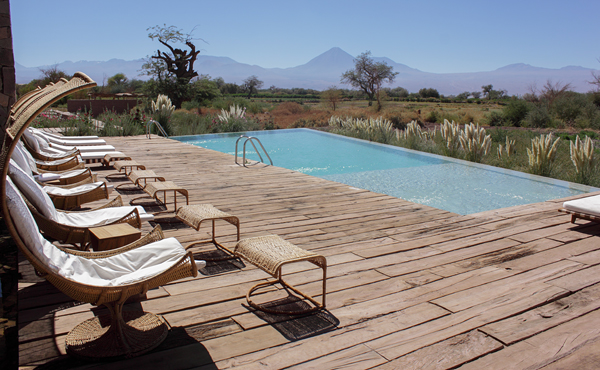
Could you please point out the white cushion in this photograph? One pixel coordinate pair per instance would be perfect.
(589, 205)
(98, 217)
(32, 190)
(84, 149)
(44, 177)
(50, 134)
(48, 176)
(31, 141)
(54, 162)
(55, 190)
(27, 228)
(76, 142)
(100, 155)
(125, 268)
(21, 159)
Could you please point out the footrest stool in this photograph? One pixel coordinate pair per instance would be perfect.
(193, 216)
(114, 156)
(127, 166)
(154, 189)
(270, 253)
(137, 176)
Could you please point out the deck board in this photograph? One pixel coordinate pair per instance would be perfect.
(407, 283)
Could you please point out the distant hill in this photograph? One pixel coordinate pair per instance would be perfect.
(325, 70)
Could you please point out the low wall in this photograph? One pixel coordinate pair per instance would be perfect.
(99, 106)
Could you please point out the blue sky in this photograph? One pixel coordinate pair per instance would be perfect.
(433, 36)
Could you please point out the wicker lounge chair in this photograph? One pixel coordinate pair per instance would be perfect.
(107, 278)
(72, 227)
(585, 208)
(26, 162)
(90, 339)
(69, 141)
(38, 143)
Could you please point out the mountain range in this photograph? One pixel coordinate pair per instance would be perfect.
(325, 70)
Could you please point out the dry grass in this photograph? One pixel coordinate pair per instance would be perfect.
(290, 114)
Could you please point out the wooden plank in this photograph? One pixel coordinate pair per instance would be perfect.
(446, 354)
(298, 352)
(586, 357)
(545, 348)
(477, 295)
(542, 318)
(403, 342)
(358, 357)
(578, 280)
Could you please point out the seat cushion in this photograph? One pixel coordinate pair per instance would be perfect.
(588, 205)
(98, 217)
(125, 268)
(32, 191)
(55, 190)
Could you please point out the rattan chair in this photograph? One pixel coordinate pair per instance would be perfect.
(105, 278)
(89, 339)
(587, 208)
(71, 227)
(67, 177)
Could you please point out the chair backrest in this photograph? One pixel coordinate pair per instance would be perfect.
(33, 191)
(24, 159)
(46, 253)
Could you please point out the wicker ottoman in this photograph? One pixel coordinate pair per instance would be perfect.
(139, 176)
(270, 253)
(154, 189)
(127, 166)
(193, 216)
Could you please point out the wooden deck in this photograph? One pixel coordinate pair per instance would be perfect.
(409, 286)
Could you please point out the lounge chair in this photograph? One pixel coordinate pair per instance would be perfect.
(72, 227)
(67, 141)
(585, 208)
(72, 196)
(40, 143)
(26, 162)
(107, 278)
(87, 137)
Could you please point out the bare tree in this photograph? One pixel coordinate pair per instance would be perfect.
(332, 96)
(596, 80)
(369, 76)
(251, 84)
(179, 62)
(550, 92)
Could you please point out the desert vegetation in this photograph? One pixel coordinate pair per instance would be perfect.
(550, 131)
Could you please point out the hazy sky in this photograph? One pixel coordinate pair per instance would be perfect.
(433, 36)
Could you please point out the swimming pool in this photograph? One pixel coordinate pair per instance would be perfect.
(454, 185)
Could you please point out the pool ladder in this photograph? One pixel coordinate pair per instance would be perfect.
(250, 139)
(161, 130)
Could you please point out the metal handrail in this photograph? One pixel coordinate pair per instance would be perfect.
(250, 139)
(160, 128)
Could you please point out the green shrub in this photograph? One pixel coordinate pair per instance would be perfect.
(515, 112)
(433, 116)
(538, 117)
(121, 124)
(494, 119)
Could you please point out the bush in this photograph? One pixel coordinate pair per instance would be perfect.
(121, 124)
(515, 112)
(538, 117)
(433, 116)
(569, 106)
(184, 123)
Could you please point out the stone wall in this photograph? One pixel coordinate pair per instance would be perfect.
(97, 107)
(7, 64)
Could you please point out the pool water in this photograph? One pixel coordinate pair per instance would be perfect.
(454, 185)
